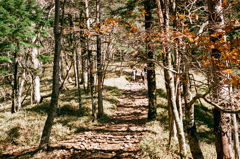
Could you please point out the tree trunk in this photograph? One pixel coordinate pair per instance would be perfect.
(99, 64)
(36, 78)
(152, 106)
(66, 63)
(94, 113)
(190, 121)
(15, 83)
(77, 67)
(172, 124)
(86, 73)
(235, 137)
(177, 63)
(20, 90)
(55, 88)
(222, 133)
(62, 59)
(171, 86)
(91, 69)
(222, 121)
(72, 44)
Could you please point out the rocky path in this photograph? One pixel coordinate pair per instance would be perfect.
(118, 138)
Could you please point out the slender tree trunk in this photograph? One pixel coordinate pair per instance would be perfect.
(36, 78)
(32, 88)
(235, 137)
(170, 87)
(83, 57)
(91, 69)
(15, 83)
(62, 59)
(94, 113)
(61, 66)
(55, 88)
(152, 106)
(172, 124)
(190, 121)
(83, 47)
(66, 63)
(170, 81)
(77, 67)
(86, 74)
(36, 86)
(99, 64)
(73, 54)
(177, 63)
(20, 90)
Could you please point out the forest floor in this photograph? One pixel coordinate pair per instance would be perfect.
(123, 132)
(117, 138)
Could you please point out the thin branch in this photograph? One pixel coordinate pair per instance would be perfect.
(197, 96)
(221, 108)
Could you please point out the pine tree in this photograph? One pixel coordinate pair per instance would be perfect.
(19, 23)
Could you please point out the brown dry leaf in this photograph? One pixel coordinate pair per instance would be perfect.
(181, 16)
(229, 71)
(173, 17)
(143, 10)
(205, 58)
(190, 39)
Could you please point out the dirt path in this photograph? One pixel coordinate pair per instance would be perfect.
(118, 138)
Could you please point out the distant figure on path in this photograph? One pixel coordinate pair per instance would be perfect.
(134, 72)
(145, 69)
(143, 74)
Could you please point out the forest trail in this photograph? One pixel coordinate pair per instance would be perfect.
(118, 138)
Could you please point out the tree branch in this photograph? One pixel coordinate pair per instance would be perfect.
(221, 108)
